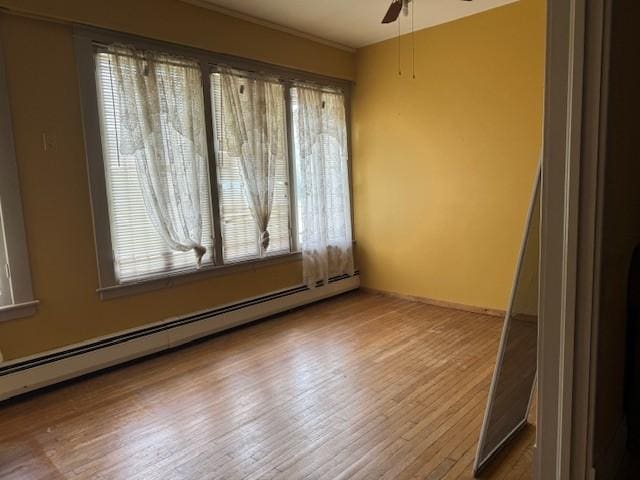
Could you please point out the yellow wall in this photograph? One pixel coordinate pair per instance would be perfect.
(185, 24)
(43, 89)
(444, 164)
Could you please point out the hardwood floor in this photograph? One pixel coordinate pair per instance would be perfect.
(360, 386)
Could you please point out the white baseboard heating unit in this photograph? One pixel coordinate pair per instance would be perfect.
(37, 371)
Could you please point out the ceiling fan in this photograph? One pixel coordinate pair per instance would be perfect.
(396, 7)
(393, 13)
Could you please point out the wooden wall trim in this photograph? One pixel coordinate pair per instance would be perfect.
(438, 303)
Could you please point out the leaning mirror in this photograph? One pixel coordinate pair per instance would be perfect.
(515, 373)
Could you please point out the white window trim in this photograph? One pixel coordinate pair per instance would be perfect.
(85, 39)
(24, 303)
(172, 279)
(211, 70)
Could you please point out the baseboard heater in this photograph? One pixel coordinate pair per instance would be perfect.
(30, 373)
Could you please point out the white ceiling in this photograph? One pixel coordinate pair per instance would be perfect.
(351, 23)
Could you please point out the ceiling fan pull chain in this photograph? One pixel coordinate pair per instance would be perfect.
(399, 64)
(413, 40)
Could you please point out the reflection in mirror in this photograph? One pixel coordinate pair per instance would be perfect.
(515, 374)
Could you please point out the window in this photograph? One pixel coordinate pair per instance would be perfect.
(139, 249)
(322, 180)
(191, 160)
(332, 151)
(257, 99)
(16, 295)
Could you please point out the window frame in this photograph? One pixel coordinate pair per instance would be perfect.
(286, 86)
(24, 303)
(86, 41)
(111, 201)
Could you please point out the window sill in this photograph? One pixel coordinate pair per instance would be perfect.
(177, 278)
(18, 310)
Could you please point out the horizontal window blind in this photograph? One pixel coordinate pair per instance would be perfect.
(240, 233)
(138, 249)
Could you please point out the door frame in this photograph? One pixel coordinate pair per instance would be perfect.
(578, 33)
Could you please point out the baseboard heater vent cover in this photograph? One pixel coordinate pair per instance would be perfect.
(27, 374)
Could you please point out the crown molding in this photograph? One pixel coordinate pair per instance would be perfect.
(265, 23)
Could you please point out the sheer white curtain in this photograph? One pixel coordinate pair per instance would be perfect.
(322, 183)
(253, 112)
(162, 124)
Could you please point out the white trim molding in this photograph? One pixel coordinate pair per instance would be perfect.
(575, 100)
(171, 279)
(562, 122)
(597, 32)
(34, 372)
(18, 310)
(264, 23)
(11, 216)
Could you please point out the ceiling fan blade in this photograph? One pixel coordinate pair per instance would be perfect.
(394, 12)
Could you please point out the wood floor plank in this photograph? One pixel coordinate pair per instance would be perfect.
(360, 387)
